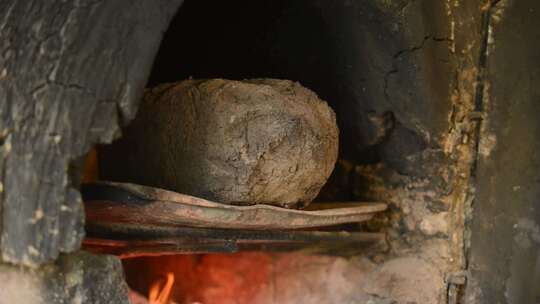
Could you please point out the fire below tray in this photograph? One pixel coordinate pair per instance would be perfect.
(128, 219)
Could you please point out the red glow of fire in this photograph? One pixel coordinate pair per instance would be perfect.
(208, 279)
(159, 292)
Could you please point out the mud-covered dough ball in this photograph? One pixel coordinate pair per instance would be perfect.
(260, 141)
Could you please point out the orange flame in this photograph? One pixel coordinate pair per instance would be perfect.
(160, 293)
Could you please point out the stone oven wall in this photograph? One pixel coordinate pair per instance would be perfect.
(71, 74)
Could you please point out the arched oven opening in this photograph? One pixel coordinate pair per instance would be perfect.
(375, 69)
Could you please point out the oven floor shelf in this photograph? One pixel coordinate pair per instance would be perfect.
(133, 220)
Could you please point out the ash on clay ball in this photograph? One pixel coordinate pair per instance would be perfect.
(260, 141)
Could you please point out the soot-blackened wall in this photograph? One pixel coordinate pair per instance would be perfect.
(385, 77)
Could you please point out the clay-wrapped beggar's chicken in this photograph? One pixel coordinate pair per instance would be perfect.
(260, 141)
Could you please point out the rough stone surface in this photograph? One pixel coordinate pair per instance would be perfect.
(19, 286)
(505, 241)
(77, 278)
(71, 72)
(259, 141)
(433, 224)
(407, 280)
